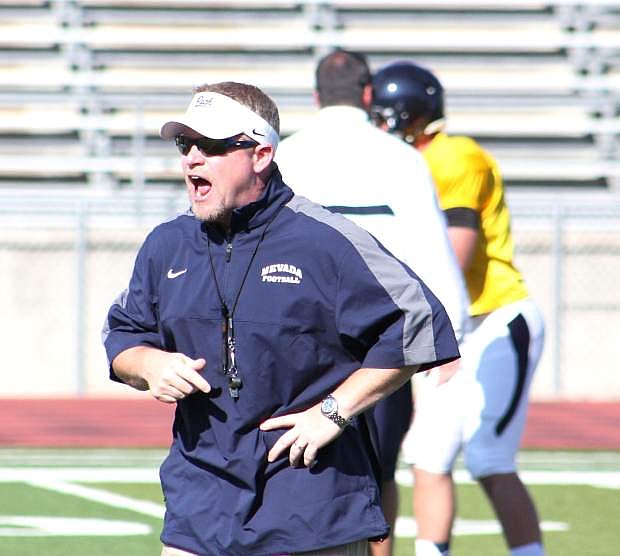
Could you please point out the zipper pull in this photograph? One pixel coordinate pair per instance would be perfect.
(228, 250)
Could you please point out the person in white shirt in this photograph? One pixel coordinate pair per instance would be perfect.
(342, 161)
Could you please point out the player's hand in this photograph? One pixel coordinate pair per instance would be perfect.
(173, 376)
(308, 432)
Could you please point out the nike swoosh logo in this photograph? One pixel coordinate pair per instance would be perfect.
(172, 274)
(257, 133)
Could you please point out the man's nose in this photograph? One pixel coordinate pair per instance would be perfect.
(194, 156)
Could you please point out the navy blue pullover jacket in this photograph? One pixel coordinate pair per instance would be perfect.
(322, 299)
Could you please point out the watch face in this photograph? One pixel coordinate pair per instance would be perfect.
(328, 406)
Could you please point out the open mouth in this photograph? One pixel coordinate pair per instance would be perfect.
(201, 186)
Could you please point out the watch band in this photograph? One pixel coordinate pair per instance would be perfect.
(339, 420)
(329, 408)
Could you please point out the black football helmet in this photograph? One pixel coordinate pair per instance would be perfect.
(404, 91)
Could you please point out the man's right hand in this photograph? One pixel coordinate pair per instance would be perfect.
(173, 376)
(169, 377)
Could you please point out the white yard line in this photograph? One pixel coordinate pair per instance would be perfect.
(102, 496)
(406, 527)
(44, 526)
(80, 474)
(608, 479)
(131, 457)
(66, 480)
(153, 457)
(605, 479)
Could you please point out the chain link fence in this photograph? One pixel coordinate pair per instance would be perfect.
(65, 260)
(569, 252)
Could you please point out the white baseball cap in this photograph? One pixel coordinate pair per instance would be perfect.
(218, 116)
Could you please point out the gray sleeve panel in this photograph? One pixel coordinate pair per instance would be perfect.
(405, 291)
(120, 300)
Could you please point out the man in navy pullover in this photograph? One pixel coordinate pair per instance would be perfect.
(273, 324)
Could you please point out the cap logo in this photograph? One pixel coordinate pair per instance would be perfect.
(219, 116)
(203, 101)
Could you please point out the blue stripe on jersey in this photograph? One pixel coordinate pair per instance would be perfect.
(520, 336)
(377, 209)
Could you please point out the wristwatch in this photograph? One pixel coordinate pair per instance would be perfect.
(329, 408)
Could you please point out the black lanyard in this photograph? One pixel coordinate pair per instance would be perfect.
(229, 365)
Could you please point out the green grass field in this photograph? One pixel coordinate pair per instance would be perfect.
(102, 502)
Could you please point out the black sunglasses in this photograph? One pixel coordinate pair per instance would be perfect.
(211, 147)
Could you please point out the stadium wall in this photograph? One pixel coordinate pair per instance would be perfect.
(63, 266)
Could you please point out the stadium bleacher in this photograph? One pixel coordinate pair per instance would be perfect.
(84, 84)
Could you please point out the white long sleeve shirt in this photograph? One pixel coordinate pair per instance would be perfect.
(342, 161)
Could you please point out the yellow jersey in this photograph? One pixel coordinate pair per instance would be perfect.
(467, 176)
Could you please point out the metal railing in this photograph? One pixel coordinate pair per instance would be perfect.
(65, 259)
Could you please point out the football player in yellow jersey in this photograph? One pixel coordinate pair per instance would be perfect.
(482, 408)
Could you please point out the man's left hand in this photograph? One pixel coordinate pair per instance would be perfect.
(308, 432)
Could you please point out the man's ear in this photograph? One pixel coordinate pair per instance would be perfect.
(262, 157)
(317, 98)
(367, 96)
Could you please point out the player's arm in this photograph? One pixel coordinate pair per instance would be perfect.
(463, 231)
(168, 376)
